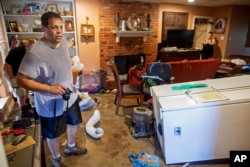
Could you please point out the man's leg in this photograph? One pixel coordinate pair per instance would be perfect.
(71, 133)
(72, 148)
(52, 132)
(53, 145)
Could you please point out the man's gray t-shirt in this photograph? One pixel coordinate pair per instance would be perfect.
(49, 66)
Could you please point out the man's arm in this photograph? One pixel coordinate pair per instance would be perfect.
(30, 84)
(8, 69)
(12, 78)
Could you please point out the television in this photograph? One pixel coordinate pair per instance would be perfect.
(180, 38)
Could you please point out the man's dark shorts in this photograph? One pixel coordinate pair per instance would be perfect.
(53, 127)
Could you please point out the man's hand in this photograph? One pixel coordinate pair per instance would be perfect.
(13, 82)
(57, 89)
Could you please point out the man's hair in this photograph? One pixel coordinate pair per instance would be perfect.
(49, 15)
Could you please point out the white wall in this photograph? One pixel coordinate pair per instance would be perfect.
(88, 49)
(3, 160)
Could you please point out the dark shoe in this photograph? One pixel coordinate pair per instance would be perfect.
(74, 150)
(27, 114)
(26, 108)
(57, 162)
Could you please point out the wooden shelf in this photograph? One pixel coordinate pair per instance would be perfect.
(30, 17)
(120, 34)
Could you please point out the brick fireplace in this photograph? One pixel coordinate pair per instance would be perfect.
(124, 62)
(109, 48)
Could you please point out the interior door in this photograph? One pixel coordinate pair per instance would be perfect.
(202, 26)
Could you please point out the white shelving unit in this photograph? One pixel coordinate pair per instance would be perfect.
(120, 34)
(13, 11)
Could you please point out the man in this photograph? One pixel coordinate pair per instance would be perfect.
(12, 63)
(46, 70)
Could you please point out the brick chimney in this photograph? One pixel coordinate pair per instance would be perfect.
(108, 10)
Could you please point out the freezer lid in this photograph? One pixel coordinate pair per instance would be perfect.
(218, 84)
(204, 99)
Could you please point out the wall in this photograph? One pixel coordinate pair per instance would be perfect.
(127, 45)
(221, 45)
(88, 49)
(3, 159)
(190, 9)
(94, 53)
(238, 31)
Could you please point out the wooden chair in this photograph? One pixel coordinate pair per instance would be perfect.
(129, 91)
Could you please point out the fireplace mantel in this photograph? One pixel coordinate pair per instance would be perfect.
(130, 34)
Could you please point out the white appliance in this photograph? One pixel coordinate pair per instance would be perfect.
(205, 123)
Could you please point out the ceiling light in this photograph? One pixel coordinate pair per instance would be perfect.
(190, 0)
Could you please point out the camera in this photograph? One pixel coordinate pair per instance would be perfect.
(66, 95)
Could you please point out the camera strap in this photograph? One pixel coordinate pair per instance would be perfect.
(55, 108)
(67, 107)
(54, 119)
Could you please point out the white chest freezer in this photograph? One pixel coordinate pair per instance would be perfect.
(196, 124)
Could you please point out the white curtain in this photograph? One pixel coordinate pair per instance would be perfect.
(200, 34)
(4, 85)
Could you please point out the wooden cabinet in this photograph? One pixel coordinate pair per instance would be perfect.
(21, 20)
(178, 55)
(173, 20)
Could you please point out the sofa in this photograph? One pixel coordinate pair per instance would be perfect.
(182, 71)
(194, 70)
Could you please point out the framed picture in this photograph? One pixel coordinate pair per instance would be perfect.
(87, 30)
(69, 26)
(52, 8)
(220, 25)
(13, 26)
(20, 28)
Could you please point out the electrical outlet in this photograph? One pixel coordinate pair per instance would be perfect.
(177, 131)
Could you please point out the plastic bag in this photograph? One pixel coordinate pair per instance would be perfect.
(143, 159)
(87, 104)
(85, 101)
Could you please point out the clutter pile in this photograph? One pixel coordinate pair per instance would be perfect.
(87, 102)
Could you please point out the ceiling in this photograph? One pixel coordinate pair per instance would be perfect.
(210, 3)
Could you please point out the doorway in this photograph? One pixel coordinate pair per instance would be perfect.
(202, 25)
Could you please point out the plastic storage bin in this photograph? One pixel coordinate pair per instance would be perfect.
(92, 82)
